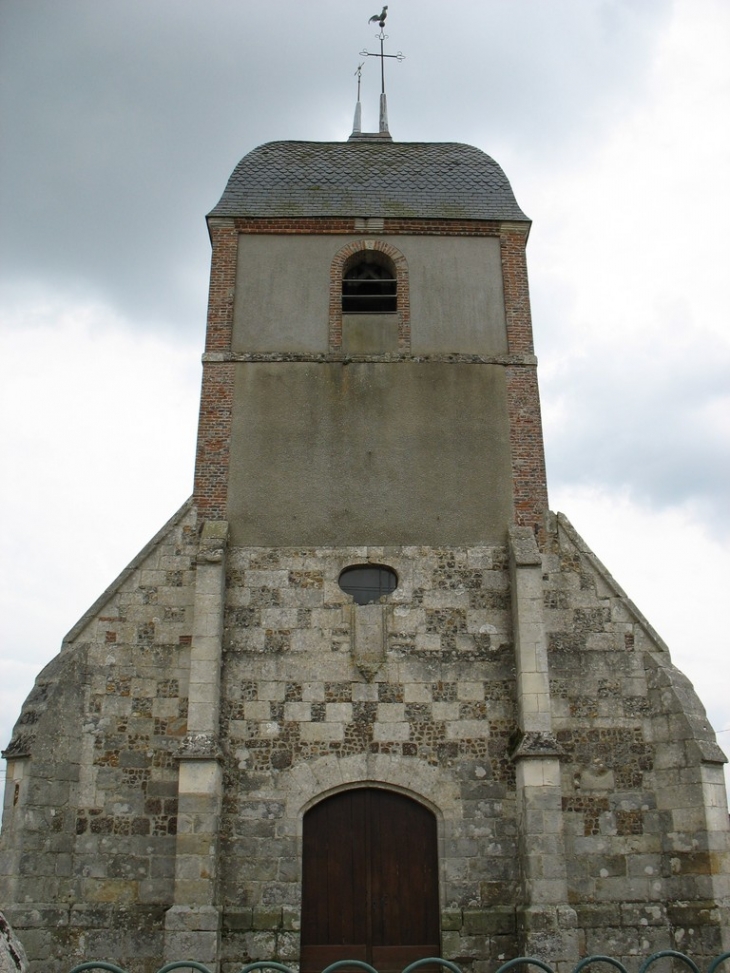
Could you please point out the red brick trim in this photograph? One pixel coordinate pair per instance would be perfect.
(214, 440)
(516, 290)
(216, 397)
(529, 480)
(349, 225)
(339, 264)
(224, 238)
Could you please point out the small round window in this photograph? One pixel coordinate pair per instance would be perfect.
(367, 583)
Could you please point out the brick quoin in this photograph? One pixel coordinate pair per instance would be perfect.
(529, 481)
(216, 400)
(516, 290)
(214, 440)
(224, 239)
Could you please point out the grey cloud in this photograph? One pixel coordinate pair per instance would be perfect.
(640, 422)
(124, 119)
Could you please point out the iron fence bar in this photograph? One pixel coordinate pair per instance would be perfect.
(342, 963)
(717, 960)
(674, 954)
(417, 964)
(599, 958)
(432, 959)
(525, 961)
(97, 965)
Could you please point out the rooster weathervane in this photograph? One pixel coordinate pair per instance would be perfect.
(380, 20)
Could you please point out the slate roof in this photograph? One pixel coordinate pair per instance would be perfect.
(426, 180)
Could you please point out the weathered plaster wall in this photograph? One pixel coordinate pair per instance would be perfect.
(365, 453)
(457, 299)
(283, 283)
(217, 443)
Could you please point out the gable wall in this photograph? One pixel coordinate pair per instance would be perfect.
(317, 695)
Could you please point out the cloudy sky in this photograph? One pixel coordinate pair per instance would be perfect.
(121, 121)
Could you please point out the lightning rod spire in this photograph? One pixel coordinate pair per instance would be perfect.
(383, 131)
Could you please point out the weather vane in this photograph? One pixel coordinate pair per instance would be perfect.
(382, 37)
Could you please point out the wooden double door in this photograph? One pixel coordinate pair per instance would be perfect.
(369, 881)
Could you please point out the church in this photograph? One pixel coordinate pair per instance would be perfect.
(364, 695)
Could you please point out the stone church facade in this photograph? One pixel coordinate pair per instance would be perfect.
(241, 752)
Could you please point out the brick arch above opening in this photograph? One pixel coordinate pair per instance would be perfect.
(343, 259)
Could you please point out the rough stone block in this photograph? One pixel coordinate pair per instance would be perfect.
(491, 922)
(267, 918)
(451, 919)
(450, 943)
(291, 919)
(260, 945)
(239, 920)
(322, 731)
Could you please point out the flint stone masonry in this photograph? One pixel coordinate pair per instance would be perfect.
(87, 852)
(300, 718)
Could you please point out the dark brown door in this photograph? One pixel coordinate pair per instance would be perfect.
(369, 881)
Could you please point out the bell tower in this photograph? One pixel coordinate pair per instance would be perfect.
(370, 406)
(369, 370)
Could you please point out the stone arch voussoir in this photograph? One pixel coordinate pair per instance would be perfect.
(433, 787)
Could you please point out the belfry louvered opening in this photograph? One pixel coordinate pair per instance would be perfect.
(369, 284)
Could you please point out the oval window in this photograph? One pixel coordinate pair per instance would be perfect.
(367, 583)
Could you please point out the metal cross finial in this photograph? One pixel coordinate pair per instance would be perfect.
(382, 36)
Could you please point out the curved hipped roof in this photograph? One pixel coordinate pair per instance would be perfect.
(368, 179)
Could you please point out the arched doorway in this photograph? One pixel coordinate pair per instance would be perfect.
(369, 881)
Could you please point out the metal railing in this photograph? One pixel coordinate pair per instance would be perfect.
(452, 967)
